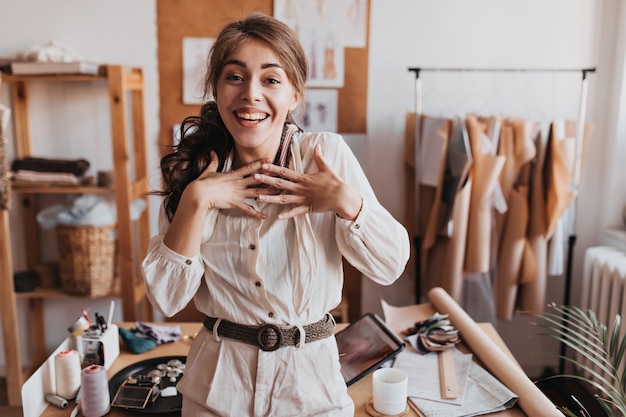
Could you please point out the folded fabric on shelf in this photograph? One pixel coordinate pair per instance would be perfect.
(24, 177)
(77, 167)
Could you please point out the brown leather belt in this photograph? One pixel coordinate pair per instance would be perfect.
(269, 337)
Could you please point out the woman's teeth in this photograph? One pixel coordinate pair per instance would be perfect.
(252, 116)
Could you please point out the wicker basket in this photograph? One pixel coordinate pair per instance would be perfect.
(87, 259)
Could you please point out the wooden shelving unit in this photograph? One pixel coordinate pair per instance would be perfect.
(125, 87)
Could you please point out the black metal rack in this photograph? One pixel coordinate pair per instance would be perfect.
(575, 180)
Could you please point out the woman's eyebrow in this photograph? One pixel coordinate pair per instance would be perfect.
(243, 64)
(235, 62)
(271, 65)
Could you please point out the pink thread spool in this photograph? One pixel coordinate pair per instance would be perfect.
(95, 400)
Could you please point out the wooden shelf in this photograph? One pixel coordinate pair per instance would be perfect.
(89, 189)
(57, 293)
(103, 75)
(128, 143)
(10, 78)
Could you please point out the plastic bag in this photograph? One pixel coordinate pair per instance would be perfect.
(88, 209)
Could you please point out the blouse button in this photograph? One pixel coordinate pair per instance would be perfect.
(258, 283)
(357, 226)
(188, 261)
(252, 246)
(270, 314)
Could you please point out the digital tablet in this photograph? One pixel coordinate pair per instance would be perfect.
(364, 345)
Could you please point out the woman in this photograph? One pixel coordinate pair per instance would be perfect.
(256, 218)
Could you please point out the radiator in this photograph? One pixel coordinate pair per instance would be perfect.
(604, 277)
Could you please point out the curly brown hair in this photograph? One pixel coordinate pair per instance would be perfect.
(205, 133)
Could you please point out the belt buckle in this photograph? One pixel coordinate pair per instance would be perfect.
(259, 337)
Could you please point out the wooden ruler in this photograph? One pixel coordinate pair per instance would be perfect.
(447, 375)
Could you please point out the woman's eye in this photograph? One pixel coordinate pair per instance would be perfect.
(272, 81)
(234, 77)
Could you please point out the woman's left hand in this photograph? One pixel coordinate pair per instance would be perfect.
(310, 193)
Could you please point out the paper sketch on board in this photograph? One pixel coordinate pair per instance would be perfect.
(195, 52)
(318, 111)
(355, 26)
(351, 13)
(321, 27)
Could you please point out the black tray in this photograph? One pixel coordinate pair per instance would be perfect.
(161, 405)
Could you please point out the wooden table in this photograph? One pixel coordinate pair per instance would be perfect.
(360, 391)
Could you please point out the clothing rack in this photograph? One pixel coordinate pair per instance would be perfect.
(575, 178)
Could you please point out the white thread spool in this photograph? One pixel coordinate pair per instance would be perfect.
(67, 373)
(95, 400)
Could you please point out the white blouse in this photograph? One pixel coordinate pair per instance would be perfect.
(284, 272)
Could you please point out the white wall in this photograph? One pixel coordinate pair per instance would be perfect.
(404, 33)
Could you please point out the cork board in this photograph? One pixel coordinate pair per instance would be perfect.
(191, 18)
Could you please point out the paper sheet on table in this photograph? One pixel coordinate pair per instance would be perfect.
(423, 372)
(484, 395)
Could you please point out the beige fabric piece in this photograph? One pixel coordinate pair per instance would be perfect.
(435, 133)
(445, 259)
(532, 292)
(485, 170)
(507, 176)
(511, 254)
(517, 146)
(560, 159)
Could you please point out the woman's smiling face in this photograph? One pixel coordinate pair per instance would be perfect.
(254, 96)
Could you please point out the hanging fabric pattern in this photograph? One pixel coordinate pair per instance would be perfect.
(485, 171)
(532, 293)
(486, 242)
(497, 233)
(518, 149)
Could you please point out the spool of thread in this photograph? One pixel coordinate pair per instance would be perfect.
(95, 400)
(56, 400)
(80, 325)
(67, 373)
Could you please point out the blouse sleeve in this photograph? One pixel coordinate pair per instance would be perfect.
(375, 243)
(171, 279)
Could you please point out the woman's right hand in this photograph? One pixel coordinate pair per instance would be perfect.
(228, 190)
(210, 190)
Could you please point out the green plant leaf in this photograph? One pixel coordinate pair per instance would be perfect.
(601, 348)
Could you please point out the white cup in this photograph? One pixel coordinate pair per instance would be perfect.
(390, 390)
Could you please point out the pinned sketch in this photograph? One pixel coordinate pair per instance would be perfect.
(324, 34)
(351, 13)
(318, 111)
(355, 26)
(195, 53)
